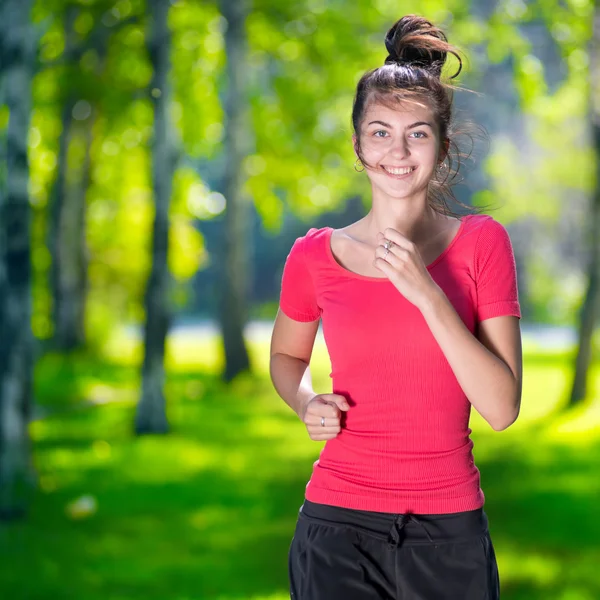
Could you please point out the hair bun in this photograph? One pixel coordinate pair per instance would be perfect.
(415, 41)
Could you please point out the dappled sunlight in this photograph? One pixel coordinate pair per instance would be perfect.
(181, 352)
(121, 347)
(209, 509)
(150, 459)
(541, 569)
(185, 354)
(99, 393)
(579, 426)
(549, 575)
(543, 391)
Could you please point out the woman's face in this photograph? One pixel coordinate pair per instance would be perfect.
(401, 146)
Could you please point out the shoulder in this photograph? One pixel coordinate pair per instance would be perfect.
(492, 248)
(485, 231)
(486, 225)
(314, 234)
(311, 242)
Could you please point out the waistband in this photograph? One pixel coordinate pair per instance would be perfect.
(400, 529)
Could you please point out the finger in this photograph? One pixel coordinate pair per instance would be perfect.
(339, 400)
(397, 257)
(328, 405)
(321, 436)
(388, 254)
(321, 421)
(385, 266)
(322, 409)
(397, 238)
(318, 430)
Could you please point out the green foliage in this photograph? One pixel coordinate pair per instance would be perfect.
(303, 62)
(208, 511)
(530, 173)
(197, 72)
(555, 300)
(108, 85)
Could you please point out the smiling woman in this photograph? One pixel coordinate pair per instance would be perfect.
(409, 82)
(420, 316)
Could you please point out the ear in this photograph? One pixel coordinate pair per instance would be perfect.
(355, 144)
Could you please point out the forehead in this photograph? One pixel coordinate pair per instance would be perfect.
(400, 114)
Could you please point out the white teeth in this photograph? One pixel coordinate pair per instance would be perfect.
(403, 171)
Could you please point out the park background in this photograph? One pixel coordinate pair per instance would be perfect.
(157, 161)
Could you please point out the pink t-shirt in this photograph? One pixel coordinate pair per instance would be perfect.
(404, 444)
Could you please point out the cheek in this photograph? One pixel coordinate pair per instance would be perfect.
(427, 155)
(373, 149)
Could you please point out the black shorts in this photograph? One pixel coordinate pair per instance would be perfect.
(339, 553)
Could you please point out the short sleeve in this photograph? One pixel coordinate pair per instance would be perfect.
(495, 273)
(298, 299)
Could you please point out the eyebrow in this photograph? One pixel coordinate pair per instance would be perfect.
(417, 124)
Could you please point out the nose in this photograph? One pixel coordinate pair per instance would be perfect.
(400, 149)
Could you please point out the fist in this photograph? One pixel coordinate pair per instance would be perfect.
(322, 416)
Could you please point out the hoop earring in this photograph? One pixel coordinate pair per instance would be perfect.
(358, 161)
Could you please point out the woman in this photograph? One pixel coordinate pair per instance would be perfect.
(421, 319)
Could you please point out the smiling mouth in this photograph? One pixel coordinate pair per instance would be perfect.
(398, 172)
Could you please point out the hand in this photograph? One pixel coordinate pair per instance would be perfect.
(328, 406)
(404, 267)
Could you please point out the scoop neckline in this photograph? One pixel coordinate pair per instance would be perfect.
(430, 266)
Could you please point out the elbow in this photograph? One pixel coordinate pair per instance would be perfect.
(502, 425)
(510, 413)
(505, 422)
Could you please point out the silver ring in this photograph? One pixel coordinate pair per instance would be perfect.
(322, 421)
(387, 251)
(388, 244)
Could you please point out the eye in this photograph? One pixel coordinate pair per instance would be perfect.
(379, 131)
(421, 134)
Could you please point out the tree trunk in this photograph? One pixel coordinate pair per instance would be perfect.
(151, 414)
(62, 239)
(591, 305)
(55, 214)
(234, 266)
(16, 351)
(70, 324)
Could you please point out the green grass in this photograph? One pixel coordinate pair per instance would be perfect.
(207, 511)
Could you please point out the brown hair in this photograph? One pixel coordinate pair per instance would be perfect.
(417, 51)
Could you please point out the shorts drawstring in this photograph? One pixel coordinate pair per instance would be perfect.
(398, 526)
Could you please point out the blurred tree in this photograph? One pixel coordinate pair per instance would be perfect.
(235, 261)
(67, 206)
(66, 212)
(534, 70)
(590, 310)
(151, 415)
(17, 56)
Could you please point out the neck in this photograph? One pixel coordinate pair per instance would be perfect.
(412, 217)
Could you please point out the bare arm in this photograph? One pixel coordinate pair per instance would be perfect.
(292, 344)
(488, 369)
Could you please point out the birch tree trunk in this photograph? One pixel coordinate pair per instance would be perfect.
(591, 306)
(73, 255)
(17, 41)
(55, 212)
(68, 208)
(151, 413)
(235, 266)
(66, 254)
